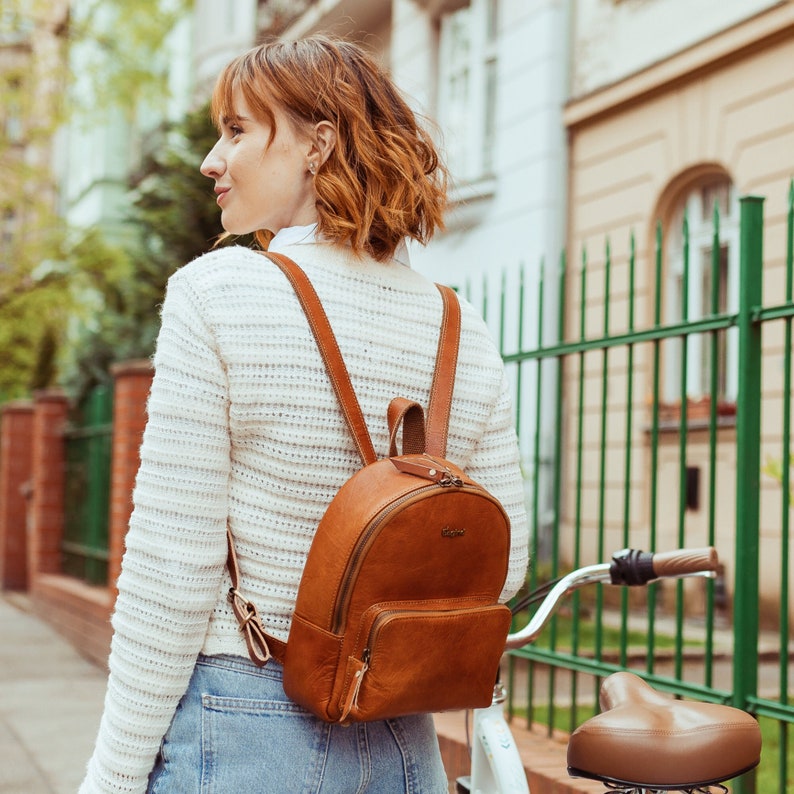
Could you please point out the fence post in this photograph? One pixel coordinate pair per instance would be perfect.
(132, 380)
(48, 476)
(15, 470)
(748, 469)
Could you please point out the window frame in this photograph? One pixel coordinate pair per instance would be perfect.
(470, 148)
(700, 221)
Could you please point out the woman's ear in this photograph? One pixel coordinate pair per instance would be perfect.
(324, 140)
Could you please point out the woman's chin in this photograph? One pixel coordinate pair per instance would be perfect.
(232, 228)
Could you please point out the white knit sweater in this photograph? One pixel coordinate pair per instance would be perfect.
(243, 425)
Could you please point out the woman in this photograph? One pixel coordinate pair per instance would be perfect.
(323, 160)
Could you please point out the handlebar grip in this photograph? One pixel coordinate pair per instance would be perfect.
(684, 561)
(631, 567)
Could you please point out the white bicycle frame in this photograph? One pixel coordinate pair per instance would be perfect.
(496, 766)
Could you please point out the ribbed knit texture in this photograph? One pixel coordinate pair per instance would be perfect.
(244, 425)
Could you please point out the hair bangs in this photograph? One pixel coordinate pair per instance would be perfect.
(222, 102)
(242, 78)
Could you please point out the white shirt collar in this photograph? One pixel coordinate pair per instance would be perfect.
(301, 235)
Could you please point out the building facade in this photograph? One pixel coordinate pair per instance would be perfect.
(31, 62)
(492, 78)
(677, 108)
(115, 118)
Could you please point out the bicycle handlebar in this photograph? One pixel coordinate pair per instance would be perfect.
(685, 561)
(629, 567)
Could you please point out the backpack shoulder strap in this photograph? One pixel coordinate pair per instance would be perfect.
(443, 377)
(332, 355)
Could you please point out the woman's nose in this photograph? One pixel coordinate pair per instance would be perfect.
(212, 166)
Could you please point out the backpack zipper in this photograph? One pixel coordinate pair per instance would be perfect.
(354, 562)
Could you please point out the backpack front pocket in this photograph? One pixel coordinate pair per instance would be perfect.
(412, 660)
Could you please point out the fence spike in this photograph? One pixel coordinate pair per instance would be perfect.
(657, 309)
(790, 244)
(632, 262)
(583, 300)
(607, 284)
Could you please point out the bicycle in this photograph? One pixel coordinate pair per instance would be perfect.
(642, 742)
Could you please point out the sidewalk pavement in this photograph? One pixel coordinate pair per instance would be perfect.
(50, 705)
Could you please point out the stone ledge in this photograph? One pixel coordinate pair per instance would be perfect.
(77, 611)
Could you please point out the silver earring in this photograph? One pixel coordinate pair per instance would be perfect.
(312, 168)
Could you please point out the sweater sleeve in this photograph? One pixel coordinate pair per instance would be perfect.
(496, 466)
(175, 546)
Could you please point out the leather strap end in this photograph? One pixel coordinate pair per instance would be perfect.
(261, 646)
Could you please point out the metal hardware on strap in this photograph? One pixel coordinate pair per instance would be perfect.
(251, 628)
(261, 646)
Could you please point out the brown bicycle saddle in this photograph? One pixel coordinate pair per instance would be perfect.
(644, 738)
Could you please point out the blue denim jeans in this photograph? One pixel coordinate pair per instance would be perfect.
(236, 732)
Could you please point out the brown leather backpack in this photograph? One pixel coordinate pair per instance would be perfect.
(397, 610)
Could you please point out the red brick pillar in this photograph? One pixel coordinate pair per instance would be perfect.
(50, 409)
(132, 382)
(16, 430)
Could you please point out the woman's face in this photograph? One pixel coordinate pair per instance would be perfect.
(260, 185)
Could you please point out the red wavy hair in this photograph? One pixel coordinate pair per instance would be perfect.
(383, 180)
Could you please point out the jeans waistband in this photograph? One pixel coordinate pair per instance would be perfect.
(241, 664)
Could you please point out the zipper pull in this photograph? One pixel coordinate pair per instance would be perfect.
(449, 479)
(359, 668)
(426, 467)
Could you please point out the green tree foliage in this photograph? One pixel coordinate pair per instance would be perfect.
(24, 325)
(117, 53)
(100, 273)
(32, 305)
(44, 369)
(174, 205)
(175, 219)
(59, 60)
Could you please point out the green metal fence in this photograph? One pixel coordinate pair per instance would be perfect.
(87, 493)
(623, 475)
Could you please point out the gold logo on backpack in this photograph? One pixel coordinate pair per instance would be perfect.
(452, 533)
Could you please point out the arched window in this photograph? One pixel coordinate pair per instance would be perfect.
(711, 288)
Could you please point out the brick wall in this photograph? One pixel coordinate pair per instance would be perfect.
(132, 383)
(50, 409)
(16, 430)
(32, 480)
